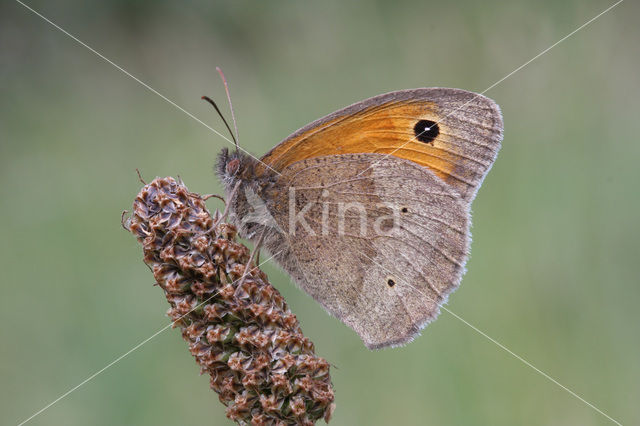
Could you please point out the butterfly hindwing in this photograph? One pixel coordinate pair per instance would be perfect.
(380, 244)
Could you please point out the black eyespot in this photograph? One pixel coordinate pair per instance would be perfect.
(404, 210)
(426, 130)
(391, 282)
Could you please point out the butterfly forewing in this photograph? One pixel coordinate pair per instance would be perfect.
(454, 133)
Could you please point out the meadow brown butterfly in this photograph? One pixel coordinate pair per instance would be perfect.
(368, 208)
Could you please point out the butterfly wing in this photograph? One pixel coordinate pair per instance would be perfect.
(379, 241)
(454, 133)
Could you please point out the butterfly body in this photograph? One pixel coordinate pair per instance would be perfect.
(368, 209)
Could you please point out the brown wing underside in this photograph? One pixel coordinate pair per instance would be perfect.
(468, 139)
(387, 279)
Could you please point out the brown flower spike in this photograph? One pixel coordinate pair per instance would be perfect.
(240, 331)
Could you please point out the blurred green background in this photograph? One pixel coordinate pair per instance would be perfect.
(554, 267)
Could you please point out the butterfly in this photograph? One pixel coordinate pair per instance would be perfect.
(368, 208)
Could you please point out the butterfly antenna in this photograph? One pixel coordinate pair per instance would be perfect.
(233, 115)
(208, 99)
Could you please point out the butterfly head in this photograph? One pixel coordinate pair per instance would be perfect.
(247, 211)
(233, 167)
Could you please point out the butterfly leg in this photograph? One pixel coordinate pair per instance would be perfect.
(255, 254)
(207, 196)
(227, 204)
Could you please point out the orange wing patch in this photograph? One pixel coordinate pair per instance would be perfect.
(454, 133)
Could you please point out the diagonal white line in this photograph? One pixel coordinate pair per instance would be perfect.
(94, 375)
(551, 47)
(499, 81)
(145, 85)
(500, 345)
(527, 363)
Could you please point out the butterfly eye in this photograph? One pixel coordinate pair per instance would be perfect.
(426, 130)
(232, 166)
(391, 282)
(404, 210)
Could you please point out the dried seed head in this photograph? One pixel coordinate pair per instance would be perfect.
(240, 332)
